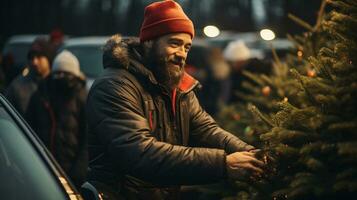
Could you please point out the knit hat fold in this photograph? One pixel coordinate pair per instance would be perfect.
(164, 17)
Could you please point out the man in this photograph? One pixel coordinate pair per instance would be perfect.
(21, 89)
(56, 113)
(147, 131)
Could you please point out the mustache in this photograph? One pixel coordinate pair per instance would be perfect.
(177, 61)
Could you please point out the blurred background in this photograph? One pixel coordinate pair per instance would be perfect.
(105, 17)
(251, 27)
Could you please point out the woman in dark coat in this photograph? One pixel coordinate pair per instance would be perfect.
(56, 113)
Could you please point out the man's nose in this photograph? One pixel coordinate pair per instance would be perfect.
(181, 53)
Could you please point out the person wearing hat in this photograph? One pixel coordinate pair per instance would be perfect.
(57, 114)
(148, 133)
(241, 58)
(24, 85)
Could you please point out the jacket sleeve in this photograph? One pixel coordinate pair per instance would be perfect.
(80, 164)
(31, 113)
(116, 117)
(12, 96)
(204, 131)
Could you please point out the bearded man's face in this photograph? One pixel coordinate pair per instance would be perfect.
(168, 58)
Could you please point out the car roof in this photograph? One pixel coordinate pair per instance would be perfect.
(24, 38)
(83, 41)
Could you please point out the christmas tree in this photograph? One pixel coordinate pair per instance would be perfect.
(313, 139)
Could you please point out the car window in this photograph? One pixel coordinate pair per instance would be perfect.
(90, 59)
(23, 174)
(18, 51)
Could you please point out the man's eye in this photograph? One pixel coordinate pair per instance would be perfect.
(174, 44)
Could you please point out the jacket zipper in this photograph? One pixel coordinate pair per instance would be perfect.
(178, 116)
(53, 126)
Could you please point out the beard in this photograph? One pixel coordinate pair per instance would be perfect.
(168, 70)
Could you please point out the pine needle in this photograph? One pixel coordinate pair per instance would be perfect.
(298, 77)
(256, 112)
(276, 58)
(294, 41)
(320, 15)
(301, 22)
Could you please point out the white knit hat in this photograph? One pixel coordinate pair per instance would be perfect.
(67, 62)
(236, 51)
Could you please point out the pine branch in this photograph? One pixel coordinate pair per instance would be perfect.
(348, 148)
(320, 67)
(298, 77)
(251, 87)
(294, 41)
(343, 5)
(301, 22)
(350, 172)
(343, 126)
(256, 112)
(320, 15)
(267, 79)
(324, 51)
(352, 2)
(276, 58)
(253, 77)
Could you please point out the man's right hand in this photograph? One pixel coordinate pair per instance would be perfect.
(242, 165)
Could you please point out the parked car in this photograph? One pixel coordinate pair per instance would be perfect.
(89, 53)
(259, 47)
(27, 169)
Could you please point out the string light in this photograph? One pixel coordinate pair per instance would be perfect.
(311, 73)
(266, 91)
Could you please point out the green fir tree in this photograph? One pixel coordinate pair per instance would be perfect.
(315, 142)
(311, 147)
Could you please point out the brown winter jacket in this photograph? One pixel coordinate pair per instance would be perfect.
(139, 141)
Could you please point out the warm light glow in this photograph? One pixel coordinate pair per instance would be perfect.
(72, 195)
(311, 73)
(299, 53)
(267, 34)
(25, 71)
(211, 31)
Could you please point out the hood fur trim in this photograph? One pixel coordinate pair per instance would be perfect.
(116, 51)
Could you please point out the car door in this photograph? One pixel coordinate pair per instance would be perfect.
(27, 169)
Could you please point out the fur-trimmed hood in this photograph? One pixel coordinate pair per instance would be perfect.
(116, 51)
(126, 53)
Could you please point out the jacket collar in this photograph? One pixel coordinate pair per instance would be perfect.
(126, 53)
(188, 83)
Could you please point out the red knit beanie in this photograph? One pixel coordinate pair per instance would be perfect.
(164, 17)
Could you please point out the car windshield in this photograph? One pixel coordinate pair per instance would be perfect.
(23, 174)
(90, 59)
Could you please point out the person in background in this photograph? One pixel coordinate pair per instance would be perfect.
(56, 113)
(215, 90)
(24, 85)
(56, 39)
(148, 133)
(240, 58)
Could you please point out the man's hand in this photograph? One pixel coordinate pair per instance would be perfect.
(242, 165)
